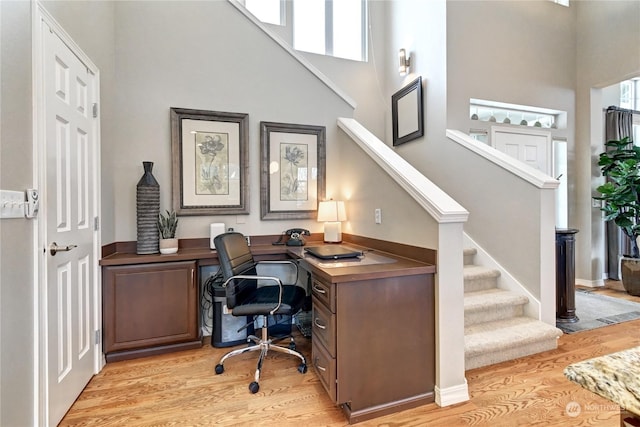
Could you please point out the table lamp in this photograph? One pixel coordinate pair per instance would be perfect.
(331, 212)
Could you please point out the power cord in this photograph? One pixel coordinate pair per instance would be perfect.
(207, 300)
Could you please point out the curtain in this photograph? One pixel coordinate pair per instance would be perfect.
(618, 124)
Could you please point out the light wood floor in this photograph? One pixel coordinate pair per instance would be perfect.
(181, 389)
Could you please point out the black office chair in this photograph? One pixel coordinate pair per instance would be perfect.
(248, 294)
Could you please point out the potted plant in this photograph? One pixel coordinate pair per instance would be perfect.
(620, 195)
(167, 225)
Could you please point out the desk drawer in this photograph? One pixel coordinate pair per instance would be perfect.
(325, 292)
(323, 326)
(325, 367)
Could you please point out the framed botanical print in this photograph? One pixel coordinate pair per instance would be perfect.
(292, 176)
(209, 162)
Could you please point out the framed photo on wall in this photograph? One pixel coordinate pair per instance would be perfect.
(406, 113)
(292, 170)
(209, 162)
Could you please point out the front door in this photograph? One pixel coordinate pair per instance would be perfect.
(531, 146)
(68, 178)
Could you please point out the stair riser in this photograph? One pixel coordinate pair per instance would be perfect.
(490, 314)
(469, 259)
(502, 355)
(473, 284)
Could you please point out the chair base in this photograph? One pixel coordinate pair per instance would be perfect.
(263, 345)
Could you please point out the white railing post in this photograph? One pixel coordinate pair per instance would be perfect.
(451, 385)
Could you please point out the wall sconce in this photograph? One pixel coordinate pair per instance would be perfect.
(405, 62)
(332, 212)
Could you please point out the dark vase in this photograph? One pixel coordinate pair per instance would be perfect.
(147, 211)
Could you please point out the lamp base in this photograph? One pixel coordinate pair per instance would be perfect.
(332, 232)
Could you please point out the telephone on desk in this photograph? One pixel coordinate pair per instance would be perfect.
(294, 237)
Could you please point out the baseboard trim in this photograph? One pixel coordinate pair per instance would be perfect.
(590, 283)
(452, 395)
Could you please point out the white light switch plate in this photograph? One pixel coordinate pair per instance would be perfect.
(11, 204)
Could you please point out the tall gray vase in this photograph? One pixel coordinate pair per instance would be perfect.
(147, 211)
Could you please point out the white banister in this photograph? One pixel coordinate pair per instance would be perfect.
(516, 167)
(435, 201)
(451, 384)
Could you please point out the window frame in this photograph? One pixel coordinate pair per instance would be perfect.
(328, 26)
(283, 13)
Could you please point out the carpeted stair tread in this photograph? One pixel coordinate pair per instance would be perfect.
(506, 334)
(491, 299)
(496, 329)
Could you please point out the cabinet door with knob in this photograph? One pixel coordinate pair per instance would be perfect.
(150, 309)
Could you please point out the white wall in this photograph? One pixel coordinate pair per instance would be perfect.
(363, 81)
(534, 66)
(466, 50)
(607, 52)
(16, 310)
(90, 24)
(209, 56)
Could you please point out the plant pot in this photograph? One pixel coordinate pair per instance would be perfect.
(168, 246)
(630, 268)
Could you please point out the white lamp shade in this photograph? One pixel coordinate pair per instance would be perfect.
(331, 211)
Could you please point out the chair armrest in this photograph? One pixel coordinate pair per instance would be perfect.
(269, 278)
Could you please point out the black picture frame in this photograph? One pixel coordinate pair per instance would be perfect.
(209, 162)
(407, 113)
(276, 170)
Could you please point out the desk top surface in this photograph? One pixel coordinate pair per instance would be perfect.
(613, 376)
(374, 264)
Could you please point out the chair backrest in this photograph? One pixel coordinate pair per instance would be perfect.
(235, 258)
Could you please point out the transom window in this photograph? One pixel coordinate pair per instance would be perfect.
(331, 27)
(268, 11)
(630, 99)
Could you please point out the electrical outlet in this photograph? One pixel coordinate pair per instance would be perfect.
(596, 203)
(378, 215)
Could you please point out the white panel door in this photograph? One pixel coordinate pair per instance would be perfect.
(70, 138)
(530, 146)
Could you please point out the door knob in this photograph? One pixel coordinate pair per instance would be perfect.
(54, 248)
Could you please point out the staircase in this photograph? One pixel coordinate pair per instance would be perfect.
(495, 328)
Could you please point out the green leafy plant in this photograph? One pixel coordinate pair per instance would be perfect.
(167, 225)
(620, 195)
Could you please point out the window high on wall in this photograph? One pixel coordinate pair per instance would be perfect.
(268, 11)
(630, 94)
(331, 27)
(630, 99)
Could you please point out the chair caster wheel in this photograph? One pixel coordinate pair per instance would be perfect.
(254, 387)
(292, 345)
(302, 368)
(219, 369)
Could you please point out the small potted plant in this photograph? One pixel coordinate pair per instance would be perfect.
(167, 225)
(620, 195)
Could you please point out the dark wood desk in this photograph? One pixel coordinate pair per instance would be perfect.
(151, 302)
(373, 329)
(373, 320)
